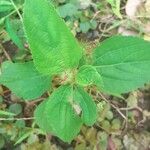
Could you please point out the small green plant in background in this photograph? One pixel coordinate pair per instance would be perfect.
(78, 15)
(119, 65)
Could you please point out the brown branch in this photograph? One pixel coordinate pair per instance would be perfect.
(5, 52)
(112, 105)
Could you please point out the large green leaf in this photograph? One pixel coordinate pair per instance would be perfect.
(88, 75)
(87, 105)
(58, 115)
(123, 63)
(24, 80)
(52, 44)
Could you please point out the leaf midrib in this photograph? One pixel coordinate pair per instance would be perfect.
(115, 50)
(122, 63)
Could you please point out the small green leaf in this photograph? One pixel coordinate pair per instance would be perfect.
(20, 124)
(106, 125)
(24, 80)
(93, 24)
(87, 105)
(88, 75)
(15, 108)
(52, 44)
(85, 26)
(103, 140)
(58, 114)
(123, 63)
(116, 124)
(109, 115)
(67, 10)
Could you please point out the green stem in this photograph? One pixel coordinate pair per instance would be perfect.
(12, 12)
(17, 10)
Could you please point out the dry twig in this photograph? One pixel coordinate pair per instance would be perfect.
(14, 119)
(112, 105)
(5, 53)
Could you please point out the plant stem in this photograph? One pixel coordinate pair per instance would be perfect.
(5, 53)
(14, 119)
(117, 109)
(17, 10)
(13, 12)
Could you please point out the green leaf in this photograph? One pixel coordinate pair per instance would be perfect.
(87, 105)
(24, 80)
(15, 108)
(58, 115)
(116, 124)
(85, 26)
(12, 28)
(20, 124)
(123, 63)
(5, 6)
(40, 116)
(53, 46)
(103, 140)
(67, 10)
(66, 124)
(93, 24)
(88, 75)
